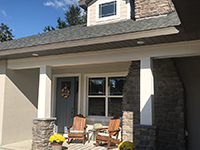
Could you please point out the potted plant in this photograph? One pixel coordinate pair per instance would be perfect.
(126, 145)
(57, 141)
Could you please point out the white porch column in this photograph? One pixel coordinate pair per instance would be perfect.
(2, 95)
(146, 92)
(44, 97)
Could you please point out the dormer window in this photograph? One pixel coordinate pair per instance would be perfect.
(107, 9)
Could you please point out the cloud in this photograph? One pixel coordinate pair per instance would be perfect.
(60, 3)
(69, 2)
(4, 13)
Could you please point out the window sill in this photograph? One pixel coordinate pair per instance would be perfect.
(107, 18)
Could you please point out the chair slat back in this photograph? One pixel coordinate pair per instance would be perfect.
(79, 123)
(114, 125)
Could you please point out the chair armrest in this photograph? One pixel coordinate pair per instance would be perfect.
(69, 127)
(114, 131)
(85, 128)
(98, 130)
(101, 129)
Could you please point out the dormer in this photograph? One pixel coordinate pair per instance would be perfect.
(106, 11)
(109, 11)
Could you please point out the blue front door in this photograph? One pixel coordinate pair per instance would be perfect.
(65, 102)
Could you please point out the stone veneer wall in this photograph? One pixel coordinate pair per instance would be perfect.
(146, 137)
(169, 101)
(168, 104)
(150, 8)
(42, 131)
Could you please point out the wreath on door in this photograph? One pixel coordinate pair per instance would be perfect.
(65, 92)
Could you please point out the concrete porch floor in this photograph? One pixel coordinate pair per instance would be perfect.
(74, 145)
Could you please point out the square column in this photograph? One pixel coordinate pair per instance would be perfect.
(3, 65)
(44, 96)
(146, 92)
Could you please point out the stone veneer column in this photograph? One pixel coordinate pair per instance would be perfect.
(131, 101)
(168, 104)
(42, 131)
(127, 126)
(145, 137)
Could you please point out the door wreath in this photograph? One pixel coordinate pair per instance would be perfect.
(65, 92)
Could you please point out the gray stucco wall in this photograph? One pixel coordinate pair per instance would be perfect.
(20, 105)
(189, 69)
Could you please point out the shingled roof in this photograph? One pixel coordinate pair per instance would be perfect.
(85, 32)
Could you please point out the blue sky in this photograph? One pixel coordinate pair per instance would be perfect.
(29, 17)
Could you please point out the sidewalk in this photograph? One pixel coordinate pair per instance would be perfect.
(24, 145)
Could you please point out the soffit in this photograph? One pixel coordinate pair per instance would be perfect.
(112, 45)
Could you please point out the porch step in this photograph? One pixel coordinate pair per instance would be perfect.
(86, 147)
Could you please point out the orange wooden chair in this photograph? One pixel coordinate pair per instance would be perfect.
(110, 136)
(78, 129)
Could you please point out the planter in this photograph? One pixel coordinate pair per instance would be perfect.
(56, 146)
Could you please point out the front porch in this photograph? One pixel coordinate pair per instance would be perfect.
(165, 107)
(76, 145)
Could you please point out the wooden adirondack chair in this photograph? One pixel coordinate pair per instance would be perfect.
(110, 136)
(78, 129)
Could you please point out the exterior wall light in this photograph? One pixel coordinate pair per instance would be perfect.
(140, 42)
(35, 54)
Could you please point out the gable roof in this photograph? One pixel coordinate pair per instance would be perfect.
(80, 32)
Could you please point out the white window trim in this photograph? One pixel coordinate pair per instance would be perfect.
(106, 75)
(110, 17)
(128, 9)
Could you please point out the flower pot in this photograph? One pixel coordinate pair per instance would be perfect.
(56, 146)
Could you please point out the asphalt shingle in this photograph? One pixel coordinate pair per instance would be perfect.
(84, 32)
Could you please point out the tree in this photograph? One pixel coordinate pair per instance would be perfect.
(72, 17)
(5, 33)
(61, 24)
(48, 28)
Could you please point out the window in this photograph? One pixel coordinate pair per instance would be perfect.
(105, 96)
(107, 9)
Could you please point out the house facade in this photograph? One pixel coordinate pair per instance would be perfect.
(134, 59)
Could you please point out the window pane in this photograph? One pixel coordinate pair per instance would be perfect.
(107, 9)
(96, 86)
(115, 107)
(97, 106)
(115, 85)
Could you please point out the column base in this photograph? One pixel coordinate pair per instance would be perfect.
(42, 131)
(145, 137)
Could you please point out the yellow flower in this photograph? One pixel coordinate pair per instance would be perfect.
(126, 145)
(57, 138)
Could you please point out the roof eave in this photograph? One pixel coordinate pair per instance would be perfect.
(91, 41)
(84, 3)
